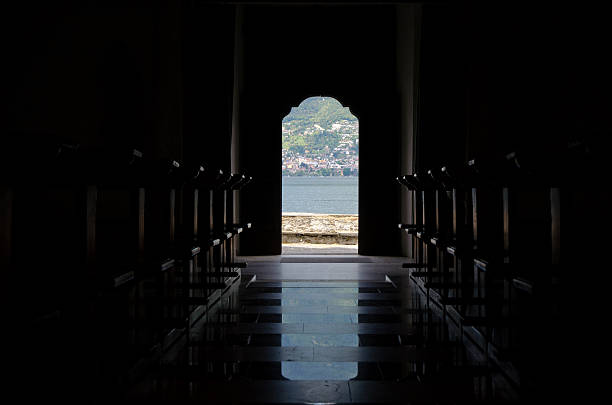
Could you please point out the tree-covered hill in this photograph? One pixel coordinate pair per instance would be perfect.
(323, 111)
(320, 136)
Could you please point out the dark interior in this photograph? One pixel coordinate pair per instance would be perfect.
(141, 147)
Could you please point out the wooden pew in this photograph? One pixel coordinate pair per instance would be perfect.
(234, 224)
(410, 182)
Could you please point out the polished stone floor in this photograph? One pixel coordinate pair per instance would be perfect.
(321, 330)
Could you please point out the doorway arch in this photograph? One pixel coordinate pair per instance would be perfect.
(260, 141)
(320, 169)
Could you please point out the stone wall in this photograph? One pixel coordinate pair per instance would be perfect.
(320, 228)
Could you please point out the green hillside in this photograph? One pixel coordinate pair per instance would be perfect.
(323, 111)
(320, 137)
(309, 127)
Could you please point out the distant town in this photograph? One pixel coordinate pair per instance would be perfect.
(320, 138)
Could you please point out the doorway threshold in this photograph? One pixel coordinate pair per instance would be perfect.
(318, 249)
(325, 259)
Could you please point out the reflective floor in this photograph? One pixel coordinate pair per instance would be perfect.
(321, 333)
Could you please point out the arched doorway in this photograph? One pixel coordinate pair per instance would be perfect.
(320, 187)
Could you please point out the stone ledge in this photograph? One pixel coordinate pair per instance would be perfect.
(320, 228)
(322, 238)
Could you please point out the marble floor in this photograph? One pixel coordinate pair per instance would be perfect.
(312, 330)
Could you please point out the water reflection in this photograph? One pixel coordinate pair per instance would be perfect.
(319, 295)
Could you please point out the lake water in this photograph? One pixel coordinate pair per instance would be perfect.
(321, 195)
